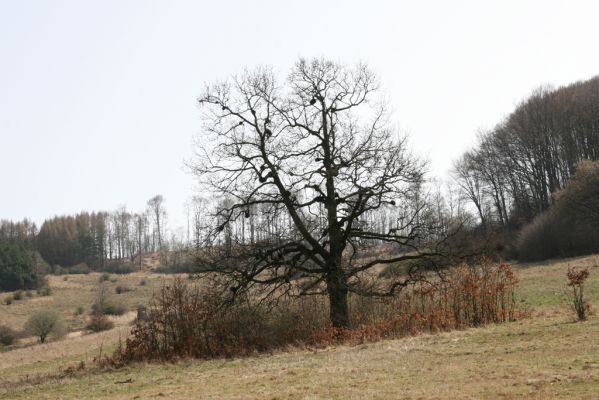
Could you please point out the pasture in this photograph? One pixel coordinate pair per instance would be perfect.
(545, 355)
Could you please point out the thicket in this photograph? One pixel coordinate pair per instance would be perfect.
(187, 321)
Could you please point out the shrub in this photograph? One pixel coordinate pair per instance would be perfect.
(117, 268)
(44, 291)
(18, 295)
(81, 268)
(179, 269)
(7, 335)
(404, 267)
(44, 323)
(58, 270)
(29, 294)
(109, 307)
(99, 323)
(185, 321)
(576, 278)
(79, 310)
(17, 267)
(8, 300)
(105, 277)
(114, 307)
(119, 289)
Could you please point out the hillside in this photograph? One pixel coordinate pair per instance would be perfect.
(547, 355)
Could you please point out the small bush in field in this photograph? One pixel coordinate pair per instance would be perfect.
(117, 268)
(7, 335)
(109, 307)
(44, 323)
(119, 289)
(18, 295)
(8, 300)
(29, 294)
(81, 268)
(576, 279)
(104, 277)
(99, 323)
(44, 291)
(79, 310)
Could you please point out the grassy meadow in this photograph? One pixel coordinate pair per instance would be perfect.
(546, 355)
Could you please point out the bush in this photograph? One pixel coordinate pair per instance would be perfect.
(184, 321)
(109, 307)
(81, 268)
(187, 268)
(7, 335)
(119, 289)
(424, 264)
(105, 277)
(17, 268)
(114, 307)
(58, 270)
(8, 300)
(44, 323)
(44, 291)
(576, 278)
(117, 268)
(99, 323)
(18, 295)
(78, 269)
(79, 310)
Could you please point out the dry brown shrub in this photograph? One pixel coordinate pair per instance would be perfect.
(184, 321)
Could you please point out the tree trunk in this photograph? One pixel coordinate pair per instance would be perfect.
(339, 310)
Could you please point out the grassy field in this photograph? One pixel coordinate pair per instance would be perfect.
(548, 355)
(72, 291)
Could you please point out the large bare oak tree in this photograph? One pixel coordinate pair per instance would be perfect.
(319, 148)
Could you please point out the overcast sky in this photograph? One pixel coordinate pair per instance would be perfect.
(98, 98)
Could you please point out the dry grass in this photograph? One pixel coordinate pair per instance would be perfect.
(79, 290)
(545, 356)
(536, 358)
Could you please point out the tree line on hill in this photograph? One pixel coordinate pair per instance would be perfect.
(514, 170)
(95, 239)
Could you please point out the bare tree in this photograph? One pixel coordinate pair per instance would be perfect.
(319, 155)
(156, 208)
(470, 182)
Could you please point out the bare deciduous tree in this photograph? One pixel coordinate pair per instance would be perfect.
(319, 154)
(156, 208)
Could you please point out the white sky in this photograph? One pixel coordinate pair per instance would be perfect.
(98, 98)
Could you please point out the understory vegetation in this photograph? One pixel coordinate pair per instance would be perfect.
(187, 321)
